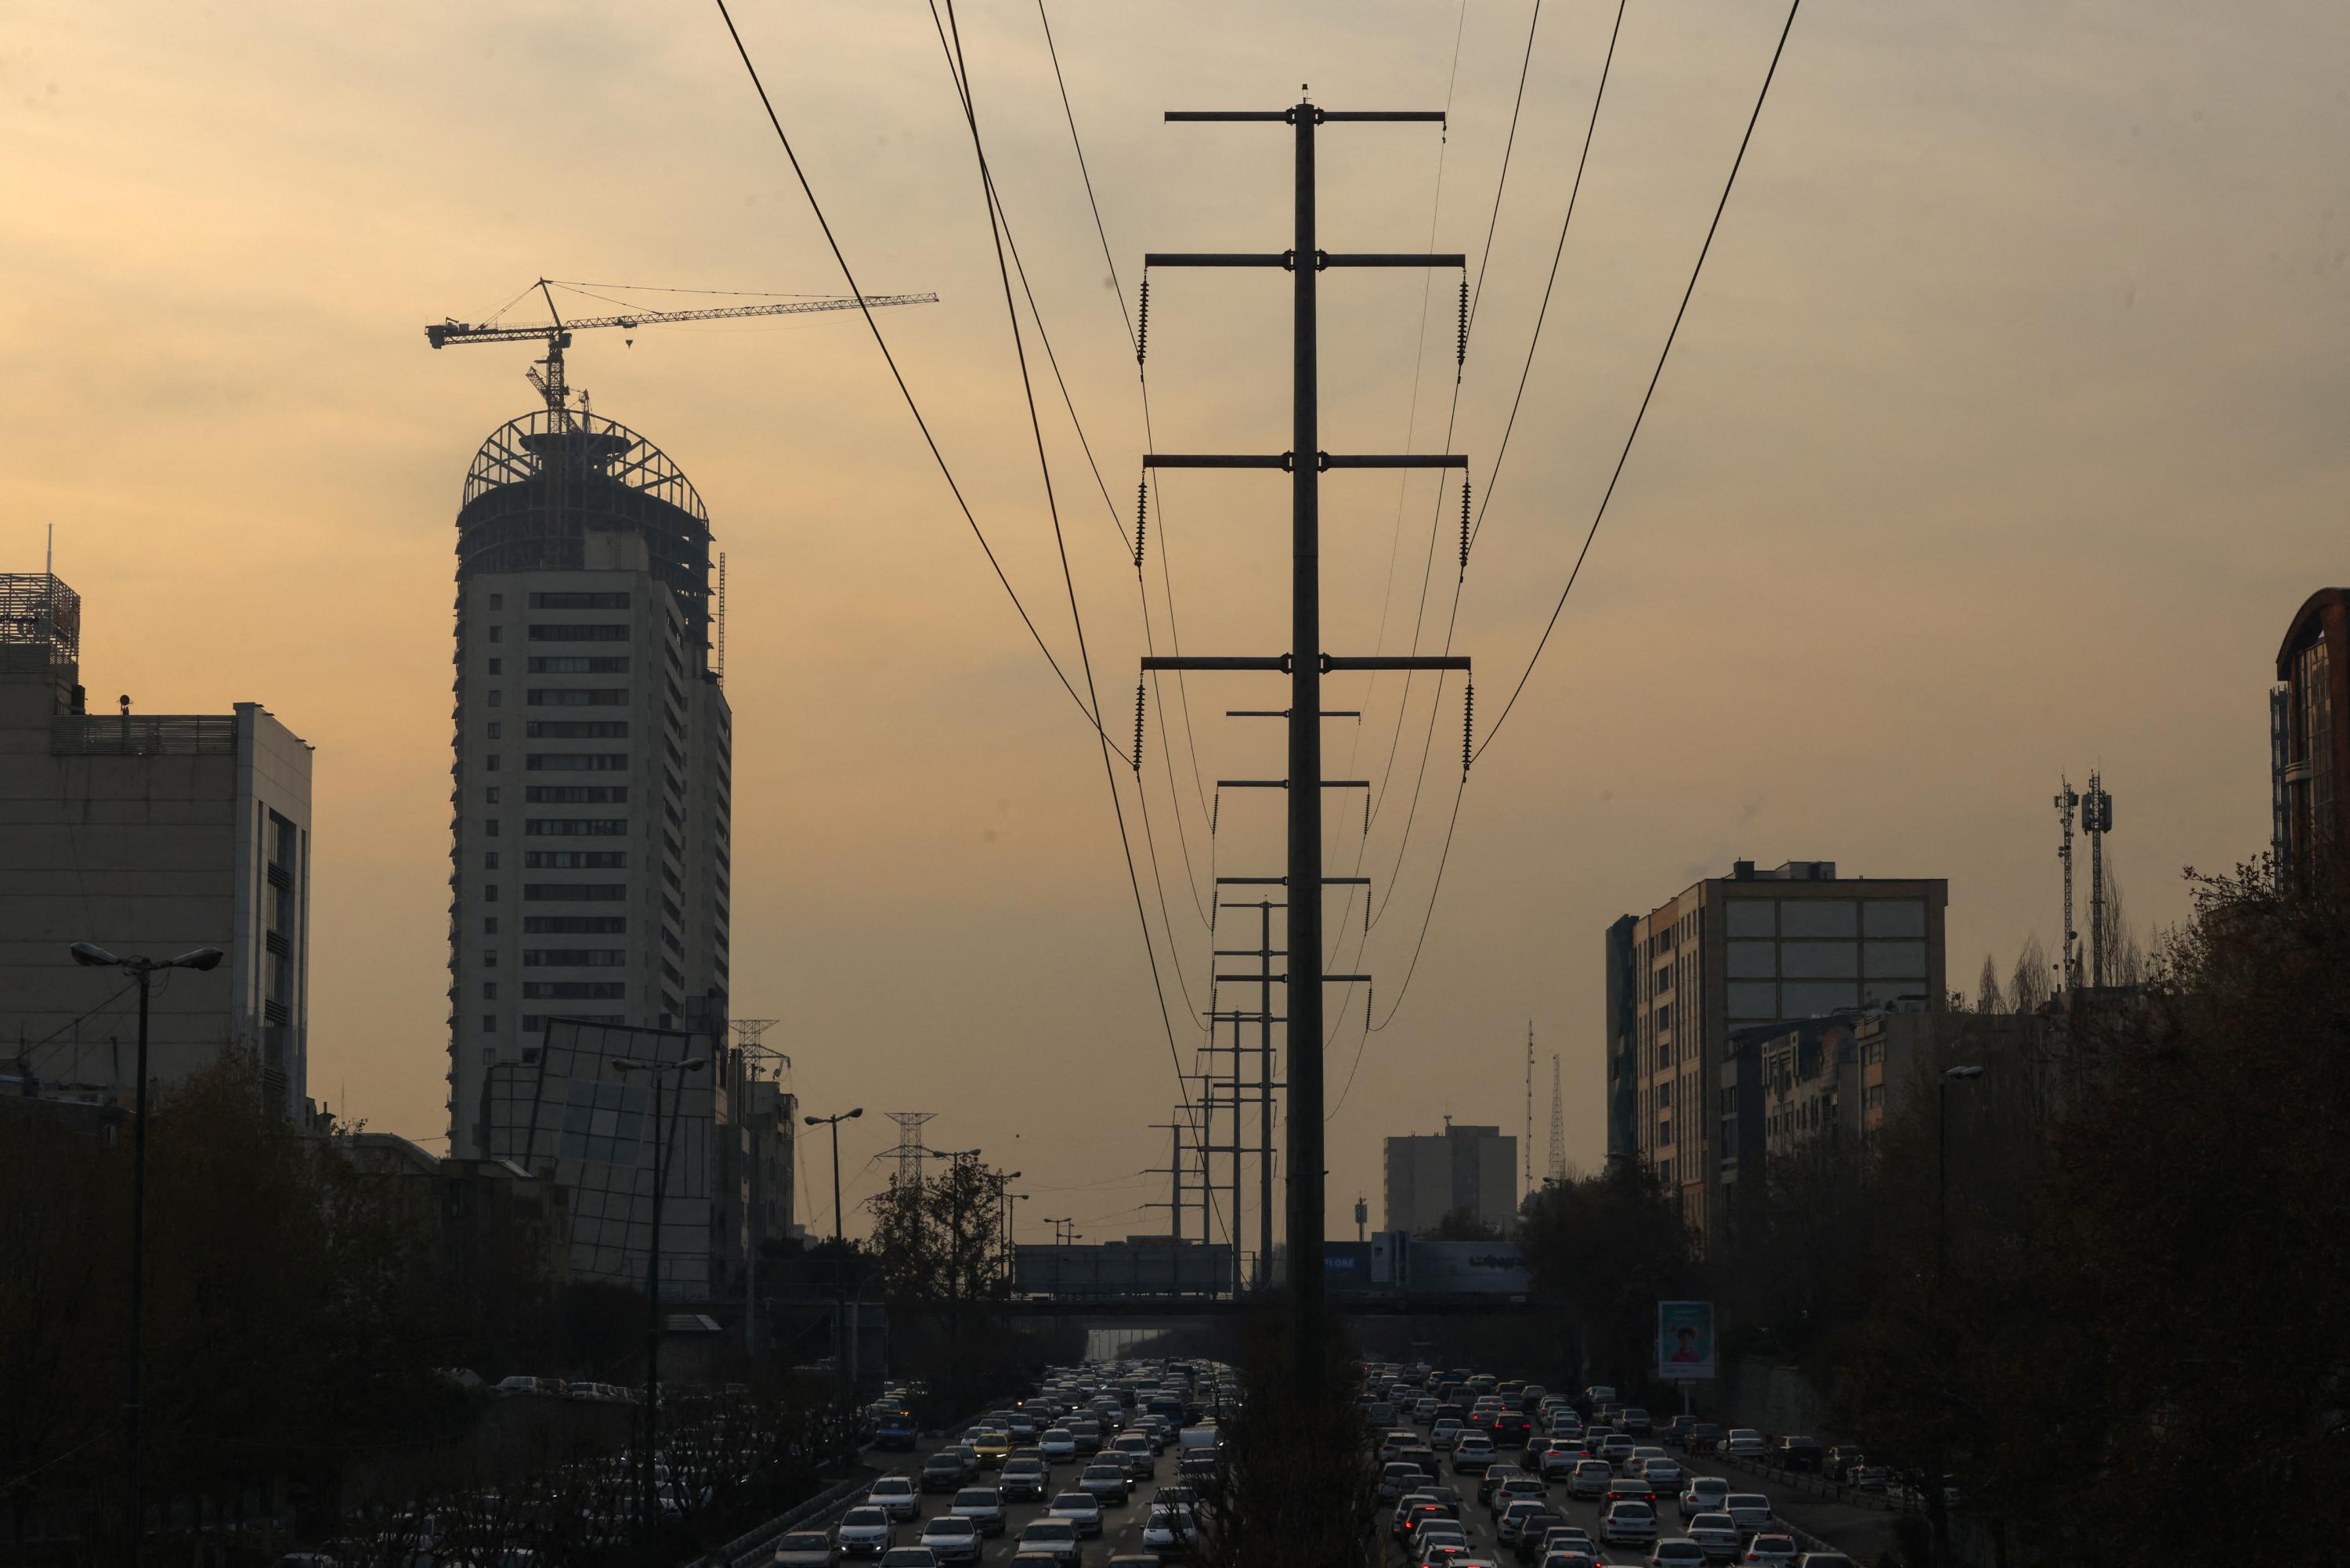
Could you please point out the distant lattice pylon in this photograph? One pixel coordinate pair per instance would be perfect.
(1557, 1171)
(910, 1142)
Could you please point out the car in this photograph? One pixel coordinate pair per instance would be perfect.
(1513, 1489)
(1558, 1462)
(1744, 1443)
(982, 1505)
(909, 1557)
(1569, 1559)
(1630, 1521)
(1590, 1478)
(1750, 1511)
(1533, 1528)
(1170, 1527)
(1398, 1476)
(896, 1496)
(1087, 1436)
(1108, 1483)
(1474, 1454)
(1702, 1437)
(1676, 1551)
(1660, 1472)
(1569, 1538)
(1437, 1532)
(895, 1429)
(1515, 1514)
(1676, 1430)
(1421, 1512)
(1635, 1420)
(993, 1445)
(1823, 1559)
(1491, 1481)
(1059, 1445)
(1445, 1434)
(1133, 1449)
(1716, 1534)
(1081, 1508)
(1704, 1495)
(1423, 1411)
(1771, 1550)
(1630, 1486)
(943, 1471)
(1800, 1454)
(1616, 1448)
(954, 1538)
(866, 1532)
(1055, 1537)
(1024, 1479)
(806, 1549)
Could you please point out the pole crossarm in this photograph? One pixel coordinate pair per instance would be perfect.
(1321, 116)
(1278, 663)
(1284, 980)
(1284, 783)
(1284, 712)
(1323, 260)
(1283, 882)
(1286, 461)
(1335, 661)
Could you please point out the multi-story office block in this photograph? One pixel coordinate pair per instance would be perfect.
(2308, 729)
(1708, 969)
(149, 834)
(592, 790)
(1462, 1169)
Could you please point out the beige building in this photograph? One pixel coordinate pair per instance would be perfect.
(1729, 956)
(591, 793)
(149, 834)
(1467, 1169)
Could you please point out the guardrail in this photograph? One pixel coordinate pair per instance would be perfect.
(1820, 1485)
(753, 1543)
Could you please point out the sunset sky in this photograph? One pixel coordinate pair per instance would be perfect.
(2004, 435)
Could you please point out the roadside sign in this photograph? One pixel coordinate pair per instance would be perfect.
(1685, 1339)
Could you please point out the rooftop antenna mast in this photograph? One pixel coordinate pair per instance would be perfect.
(2067, 801)
(2096, 820)
(1558, 1172)
(1528, 1151)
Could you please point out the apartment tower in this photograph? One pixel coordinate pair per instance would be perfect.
(592, 789)
(1694, 982)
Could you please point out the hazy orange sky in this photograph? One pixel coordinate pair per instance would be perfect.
(2003, 436)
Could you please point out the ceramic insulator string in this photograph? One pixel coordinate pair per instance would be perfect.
(1468, 728)
(1464, 527)
(1142, 323)
(1141, 514)
(1137, 728)
(1460, 343)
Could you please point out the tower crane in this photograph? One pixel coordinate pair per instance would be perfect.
(557, 333)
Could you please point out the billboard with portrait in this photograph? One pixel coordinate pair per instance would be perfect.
(1685, 1339)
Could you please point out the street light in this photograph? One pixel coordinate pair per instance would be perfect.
(658, 1070)
(834, 1122)
(143, 972)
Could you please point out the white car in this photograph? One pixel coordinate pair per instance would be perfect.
(982, 1505)
(1445, 1434)
(1056, 1538)
(864, 1532)
(1170, 1528)
(1590, 1478)
(952, 1539)
(895, 1496)
(1744, 1443)
(1058, 1445)
(1750, 1511)
(1704, 1495)
(1629, 1521)
(1660, 1472)
(1677, 1551)
(1715, 1534)
(1473, 1453)
(1769, 1549)
(1081, 1508)
(1109, 1483)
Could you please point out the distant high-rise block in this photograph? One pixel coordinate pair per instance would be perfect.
(591, 796)
(1462, 1169)
(150, 834)
(1692, 985)
(2310, 734)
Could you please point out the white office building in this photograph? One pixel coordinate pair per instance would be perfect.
(592, 786)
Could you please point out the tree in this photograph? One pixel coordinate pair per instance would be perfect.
(1296, 1482)
(2028, 988)
(1464, 1225)
(1987, 998)
(1609, 1246)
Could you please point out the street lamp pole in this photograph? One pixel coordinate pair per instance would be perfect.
(1938, 1506)
(646, 1506)
(834, 1123)
(142, 974)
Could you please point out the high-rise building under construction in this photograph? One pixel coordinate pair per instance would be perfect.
(591, 794)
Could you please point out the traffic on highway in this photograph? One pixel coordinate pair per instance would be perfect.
(1101, 1465)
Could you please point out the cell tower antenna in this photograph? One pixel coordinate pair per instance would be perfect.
(1558, 1172)
(2067, 800)
(721, 618)
(909, 1143)
(1529, 1149)
(2096, 821)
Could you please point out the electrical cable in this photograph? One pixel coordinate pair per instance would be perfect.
(1704, 250)
(841, 260)
(1494, 477)
(960, 73)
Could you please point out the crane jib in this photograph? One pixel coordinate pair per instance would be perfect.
(444, 333)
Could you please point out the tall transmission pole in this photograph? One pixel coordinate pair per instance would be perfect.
(910, 1142)
(2097, 820)
(1528, 1154)
(1557, 1170)
(1305, 664)
(2066, 802)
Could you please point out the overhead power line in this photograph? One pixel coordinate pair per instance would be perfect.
(847, 275)
(1704, 250)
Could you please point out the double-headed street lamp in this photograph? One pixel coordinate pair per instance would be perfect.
(834, 1123)
(658, 1070)
(142, 974)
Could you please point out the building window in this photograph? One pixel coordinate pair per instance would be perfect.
(497, 634)
(490, 763)
(498, 601)
(489, 1055)
(489, 892)
(497, 699)
(489, 925)
(489, 991)
(489, 1024)
(490, 955)
(490, 856)
(490, 796)
(496, 730)
(497, 667)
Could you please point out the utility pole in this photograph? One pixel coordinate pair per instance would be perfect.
(1527, 1154)
(1174, 1173)
(2097, 819)
(1305, 665)
(1556, 1171)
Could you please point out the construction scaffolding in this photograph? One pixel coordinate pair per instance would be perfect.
(40, 616)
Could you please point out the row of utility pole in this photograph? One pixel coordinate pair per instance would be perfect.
(1304, 882)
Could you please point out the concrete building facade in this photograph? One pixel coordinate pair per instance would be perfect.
(1709, 969)
(1467, 1169)
(149, 834)
(2309, 729)
(592, 792)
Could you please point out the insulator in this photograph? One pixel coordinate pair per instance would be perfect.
(1215, 810)
(1366, 813)
(1138, 727)
(1464, 527)
(1142, 323)
(1461, 346)
(1141, 514)
(1468, 728)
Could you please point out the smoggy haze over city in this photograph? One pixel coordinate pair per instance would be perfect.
(2002, 440)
